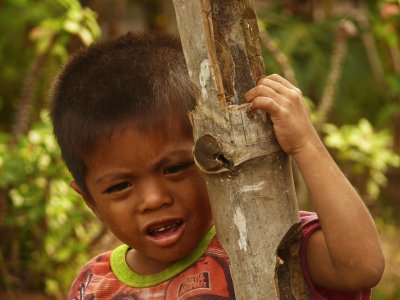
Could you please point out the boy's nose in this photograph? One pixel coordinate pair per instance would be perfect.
(153, 195)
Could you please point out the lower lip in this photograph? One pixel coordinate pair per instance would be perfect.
(167, 239)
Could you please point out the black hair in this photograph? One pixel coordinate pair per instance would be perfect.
(138, 77)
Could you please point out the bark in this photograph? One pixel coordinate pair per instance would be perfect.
(248, 176)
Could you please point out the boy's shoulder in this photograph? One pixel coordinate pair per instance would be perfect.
(99, 266)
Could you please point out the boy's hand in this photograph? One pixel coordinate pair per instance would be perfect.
(345, 254)
(285, 105)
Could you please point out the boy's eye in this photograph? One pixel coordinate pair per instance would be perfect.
(177, 168)
(118, 187)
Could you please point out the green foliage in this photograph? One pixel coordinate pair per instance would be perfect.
(389, 289)
(75, 21)
(36, 25)
(45, 228)
(16, 19)
(368, 151)
(309, 45)
(46, 214)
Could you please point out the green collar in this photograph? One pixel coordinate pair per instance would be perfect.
(130, 278)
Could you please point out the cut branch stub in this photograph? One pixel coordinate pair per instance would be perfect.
(206, 153)
(209, 156)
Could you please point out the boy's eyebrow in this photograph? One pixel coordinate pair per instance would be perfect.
(187, 154)
(111, 176)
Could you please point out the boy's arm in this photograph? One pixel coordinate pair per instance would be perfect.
(346, 254)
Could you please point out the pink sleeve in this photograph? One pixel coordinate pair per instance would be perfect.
(310, 224)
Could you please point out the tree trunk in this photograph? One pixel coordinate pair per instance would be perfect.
(248, 176)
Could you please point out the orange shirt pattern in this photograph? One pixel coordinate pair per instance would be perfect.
(206, 279)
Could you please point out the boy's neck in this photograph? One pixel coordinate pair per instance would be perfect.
(142, 265)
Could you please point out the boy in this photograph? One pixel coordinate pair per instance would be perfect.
(119, 111)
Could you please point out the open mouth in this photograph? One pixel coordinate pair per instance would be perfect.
(164, 229)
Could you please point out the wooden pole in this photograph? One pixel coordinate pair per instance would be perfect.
(248, 176)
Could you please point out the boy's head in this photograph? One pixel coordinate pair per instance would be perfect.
(140, 78)
(119, 111)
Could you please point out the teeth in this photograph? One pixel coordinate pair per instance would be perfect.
(160, 229)
(164, 228)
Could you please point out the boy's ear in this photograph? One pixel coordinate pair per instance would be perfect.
(88, 201)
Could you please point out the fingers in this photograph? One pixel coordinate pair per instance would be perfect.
(276, 88)
(279, 79)
(285, 106)
(281, 86)
(265, 90)
(266, 104)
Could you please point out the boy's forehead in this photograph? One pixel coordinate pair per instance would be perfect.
(160, 130)
(168, 137)
(163, 128)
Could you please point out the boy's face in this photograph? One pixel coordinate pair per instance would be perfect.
(148, 191)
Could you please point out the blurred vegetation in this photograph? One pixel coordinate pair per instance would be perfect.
(344, 55)
(45, 229)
